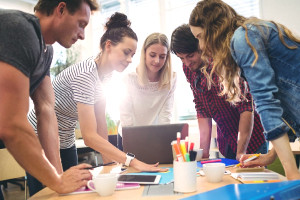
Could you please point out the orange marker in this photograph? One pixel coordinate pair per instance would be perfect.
(177, 152)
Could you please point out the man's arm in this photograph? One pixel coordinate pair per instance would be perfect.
(20, 139)
(47, 128)
(245, 131)
(205, 127)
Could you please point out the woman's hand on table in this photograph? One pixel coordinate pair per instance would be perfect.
(141, 166)
(73, 179)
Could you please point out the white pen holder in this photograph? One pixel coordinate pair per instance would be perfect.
(185, 178)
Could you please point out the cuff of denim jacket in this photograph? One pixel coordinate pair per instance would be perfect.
(276, 132)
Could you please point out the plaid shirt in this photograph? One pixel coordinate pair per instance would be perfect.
(209, 104)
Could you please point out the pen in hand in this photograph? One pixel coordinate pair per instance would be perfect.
(252, 157)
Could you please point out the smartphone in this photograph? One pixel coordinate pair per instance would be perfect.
(139, 178)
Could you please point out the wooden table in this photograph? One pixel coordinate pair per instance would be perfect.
(202, 186)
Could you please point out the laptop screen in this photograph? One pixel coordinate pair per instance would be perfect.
(152, 144)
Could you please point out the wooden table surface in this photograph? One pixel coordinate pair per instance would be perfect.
(202, 186)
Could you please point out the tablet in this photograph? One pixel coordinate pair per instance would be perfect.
(141, 179)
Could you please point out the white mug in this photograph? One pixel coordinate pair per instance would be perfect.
(104, 184)
(214, 172)
(185, 178)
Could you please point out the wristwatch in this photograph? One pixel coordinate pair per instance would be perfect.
(129, 158)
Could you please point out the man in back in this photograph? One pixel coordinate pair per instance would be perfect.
(25, 58)
(239, 131)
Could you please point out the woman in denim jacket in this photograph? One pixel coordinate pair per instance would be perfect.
(267, 55)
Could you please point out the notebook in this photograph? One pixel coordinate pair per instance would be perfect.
(152, 144)
(256, 177)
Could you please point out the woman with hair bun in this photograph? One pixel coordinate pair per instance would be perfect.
(79, 96)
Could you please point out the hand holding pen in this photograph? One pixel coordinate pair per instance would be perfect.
(245, 159)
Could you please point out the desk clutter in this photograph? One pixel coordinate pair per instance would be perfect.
(182, 177)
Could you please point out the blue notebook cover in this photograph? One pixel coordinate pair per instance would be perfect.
(228, 162)
(288, 190)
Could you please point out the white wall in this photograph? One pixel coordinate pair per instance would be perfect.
(286, 12)
(17, 5)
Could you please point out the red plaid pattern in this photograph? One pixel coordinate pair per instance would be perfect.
(209, 104)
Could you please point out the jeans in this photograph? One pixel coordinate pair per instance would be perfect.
(69, 158)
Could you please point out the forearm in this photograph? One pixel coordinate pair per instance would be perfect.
(245, 132)
(105, 148)
(205, 136)
(47, 129)
(21, 142)
(286, 156)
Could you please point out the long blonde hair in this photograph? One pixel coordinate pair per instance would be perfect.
(219, 21)
(165, 74)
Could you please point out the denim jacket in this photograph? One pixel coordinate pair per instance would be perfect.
(274, 80)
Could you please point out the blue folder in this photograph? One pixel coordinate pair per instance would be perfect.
(288, 190)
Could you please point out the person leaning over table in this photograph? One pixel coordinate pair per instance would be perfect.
(79, 96)
(239, 131)
(267, 55)
(149, 91)
(25, 58)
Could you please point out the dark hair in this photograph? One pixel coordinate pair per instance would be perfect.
(48, 6)
(117, 27)
(183, 40)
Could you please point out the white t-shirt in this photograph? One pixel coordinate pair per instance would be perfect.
(79, 83)
(146, 105)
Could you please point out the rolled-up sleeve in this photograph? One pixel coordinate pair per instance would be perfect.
(261, 80)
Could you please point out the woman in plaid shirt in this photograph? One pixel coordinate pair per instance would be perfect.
(239, 130)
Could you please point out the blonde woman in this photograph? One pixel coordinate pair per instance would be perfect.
(149, 91)
(267, 55)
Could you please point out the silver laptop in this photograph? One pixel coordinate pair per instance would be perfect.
(152, 144)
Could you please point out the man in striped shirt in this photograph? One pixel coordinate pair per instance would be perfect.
(239, 131)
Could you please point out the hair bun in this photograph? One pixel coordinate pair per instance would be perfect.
(117, 20)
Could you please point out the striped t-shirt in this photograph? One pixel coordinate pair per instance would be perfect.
(78, 83)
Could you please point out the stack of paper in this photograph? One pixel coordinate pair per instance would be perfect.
(256, 177)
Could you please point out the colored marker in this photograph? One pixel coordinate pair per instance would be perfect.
(182, 148)
(178, 138)
(192, 146)
(177, 152)
(193, 155)
(187, 157)
(186, 143)
(210, 161)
